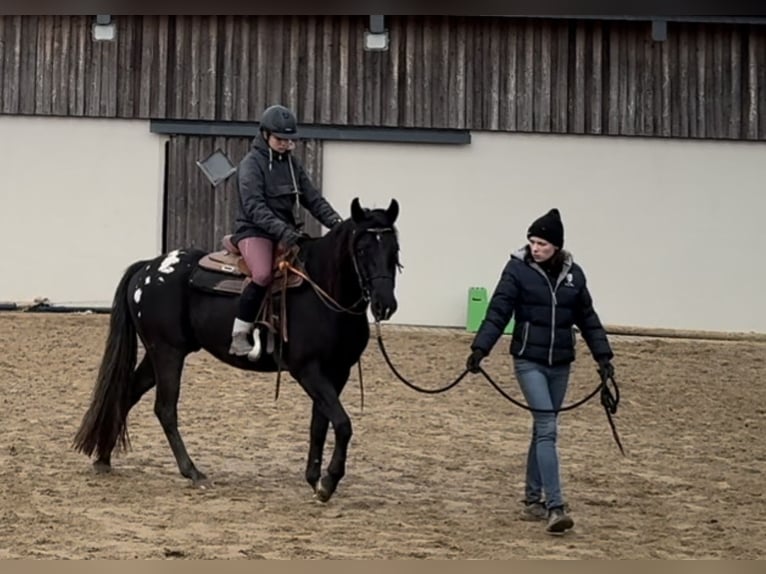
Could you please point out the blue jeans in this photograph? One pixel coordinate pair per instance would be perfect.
(543, 387)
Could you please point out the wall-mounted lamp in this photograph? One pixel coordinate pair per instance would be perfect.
(376, 36)
(103, 28)
(659, 30)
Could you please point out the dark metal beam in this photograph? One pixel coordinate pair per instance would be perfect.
(759, 20)
(336, 133)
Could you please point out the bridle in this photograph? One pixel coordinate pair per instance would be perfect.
(365, 281)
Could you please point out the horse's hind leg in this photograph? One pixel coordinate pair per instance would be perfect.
(142, 381)
(168, 363)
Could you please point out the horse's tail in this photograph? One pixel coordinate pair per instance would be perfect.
(105, 421)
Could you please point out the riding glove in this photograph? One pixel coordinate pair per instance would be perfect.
(605, 368)
(474, 360)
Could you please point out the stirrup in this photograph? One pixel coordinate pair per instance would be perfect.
(255, 352)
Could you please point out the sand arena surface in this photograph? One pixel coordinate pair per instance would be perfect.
(427, 476)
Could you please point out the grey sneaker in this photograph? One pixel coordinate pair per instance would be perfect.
(558, 521)
(534, 511)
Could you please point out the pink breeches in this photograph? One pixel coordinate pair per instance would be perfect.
(258, 253)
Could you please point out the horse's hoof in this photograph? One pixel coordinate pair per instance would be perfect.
(202, 484)
(321, 494)
(102, 467)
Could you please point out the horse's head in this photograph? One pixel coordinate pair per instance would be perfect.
(375, 251)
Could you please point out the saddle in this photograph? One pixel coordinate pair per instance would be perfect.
(225, 272)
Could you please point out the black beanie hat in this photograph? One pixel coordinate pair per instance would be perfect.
(549, 228)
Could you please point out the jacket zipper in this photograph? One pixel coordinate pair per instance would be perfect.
(524, 341)
(554, 302)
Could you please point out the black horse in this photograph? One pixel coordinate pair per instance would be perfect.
(354, 264)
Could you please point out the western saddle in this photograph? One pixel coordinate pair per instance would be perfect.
(225, 272)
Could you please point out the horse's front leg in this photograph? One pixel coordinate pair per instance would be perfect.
(319, 425)
(323, 391)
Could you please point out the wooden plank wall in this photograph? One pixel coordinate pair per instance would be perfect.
(580, 77)
(199, 215)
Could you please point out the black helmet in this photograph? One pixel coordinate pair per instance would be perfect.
(279, 121)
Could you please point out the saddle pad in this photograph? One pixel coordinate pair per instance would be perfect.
(216, 282)
(224, 262)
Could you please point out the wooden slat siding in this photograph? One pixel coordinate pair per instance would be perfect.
(409, 103)
(40, 83)
(3, 55)
(597, 79)
(710, 84)
(524, 110)
(634, 90)
(576, 64)
(419, 72)
(701, 81)
(491, 71)
(560, 80)
(12, 64)
(275, 60)
(751, 102)
(193, 61)
(391, 72)
(340, 72)
(226, 196)
(509, 51)
(324, 65)
(292, 63)
(209, 76)
(176, 49)
(146, 89)
(175, 197)
(761, 65)
(110, 70)
(622, 80)
(735, 92)
(458, 96)
(542, 79)
(505, 74)
(613, 110)
(426, 99)
(665, 111)
(445, 79)
(79, 67)
(673, 93)
(59, 72)
(242, 68)
(468, 98)
(681, 102)
(306, 76)
(162, 88)
(718, 80)
(124, 71)
(356, 76)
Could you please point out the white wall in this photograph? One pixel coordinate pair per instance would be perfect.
(80, 199)
(670, 233)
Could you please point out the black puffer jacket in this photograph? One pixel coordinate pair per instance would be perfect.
(267, 195)
(545, 310)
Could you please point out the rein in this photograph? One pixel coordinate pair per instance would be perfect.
(609, 400)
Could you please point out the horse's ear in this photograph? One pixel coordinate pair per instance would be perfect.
(393, 211)
(357, 213)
